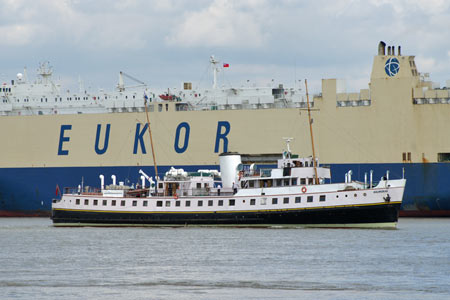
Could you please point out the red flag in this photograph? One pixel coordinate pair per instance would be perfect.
(57, 190)
(225, 65)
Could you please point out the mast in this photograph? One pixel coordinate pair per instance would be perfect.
(151, 139)
(214, 63)
(312, 136)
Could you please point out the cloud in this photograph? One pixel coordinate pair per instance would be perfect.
(166, 41)
(18, 35)
(223, 23)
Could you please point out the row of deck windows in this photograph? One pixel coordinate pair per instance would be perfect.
(200, 203)
(277, 182)
(68, 98)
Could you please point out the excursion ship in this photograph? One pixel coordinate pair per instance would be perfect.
(53, 137)
(242, 196)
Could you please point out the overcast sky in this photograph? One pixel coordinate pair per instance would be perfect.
(165, 42)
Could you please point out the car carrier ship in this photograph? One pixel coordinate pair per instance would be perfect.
(53, 137)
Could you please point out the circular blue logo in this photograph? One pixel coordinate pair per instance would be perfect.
(392, 66)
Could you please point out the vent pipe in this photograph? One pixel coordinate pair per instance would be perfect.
(102, 181)
(382, 48)
(143, 181)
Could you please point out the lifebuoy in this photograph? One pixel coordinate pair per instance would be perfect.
(304, 189)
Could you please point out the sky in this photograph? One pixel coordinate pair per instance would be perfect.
(167, 42)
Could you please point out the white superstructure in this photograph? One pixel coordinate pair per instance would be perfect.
(45, 96)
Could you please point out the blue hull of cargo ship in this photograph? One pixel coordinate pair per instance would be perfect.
(29, 191)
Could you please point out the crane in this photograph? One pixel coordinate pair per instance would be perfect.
(121, 86)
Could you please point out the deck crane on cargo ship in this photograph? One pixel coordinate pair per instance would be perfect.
(121, 85)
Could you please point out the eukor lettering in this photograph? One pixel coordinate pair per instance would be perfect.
(182, 134)
(187, 130)
(62, 139)
(105, 142)
(139, 138)
(222, 136)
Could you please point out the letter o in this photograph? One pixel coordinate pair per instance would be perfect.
(187, 130)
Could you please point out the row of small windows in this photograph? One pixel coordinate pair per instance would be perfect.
(6, 90)
(200, 203)
(68, 98)
(277, 182)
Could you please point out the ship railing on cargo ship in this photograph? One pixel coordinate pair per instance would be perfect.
(238, 106)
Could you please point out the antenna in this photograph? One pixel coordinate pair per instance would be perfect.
(288, 140)
(311, 131)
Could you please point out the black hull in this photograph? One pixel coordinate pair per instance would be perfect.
(384, 213)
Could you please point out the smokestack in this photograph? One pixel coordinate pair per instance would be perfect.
(399, 50)
(382, 48)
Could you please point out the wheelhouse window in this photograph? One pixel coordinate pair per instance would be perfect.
(294, 181)
(302, 181)
(286, 182)
(278, 182)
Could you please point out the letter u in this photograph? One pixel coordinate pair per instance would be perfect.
(105, 142)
